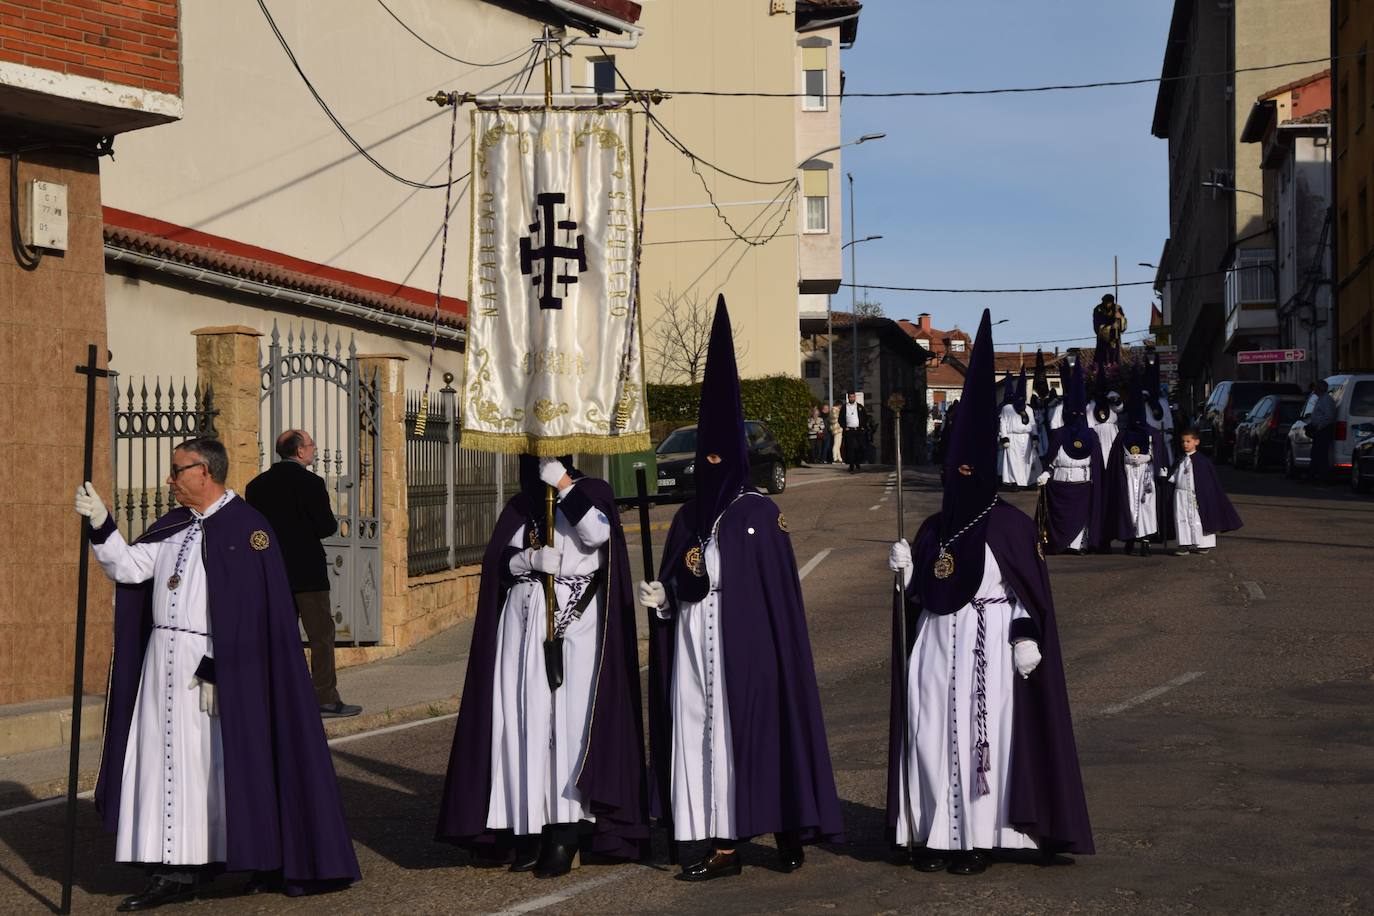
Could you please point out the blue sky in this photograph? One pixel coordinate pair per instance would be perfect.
(1024, 190)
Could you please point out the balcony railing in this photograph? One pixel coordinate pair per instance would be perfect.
(1250, 292)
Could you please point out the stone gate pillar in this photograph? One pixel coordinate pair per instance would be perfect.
(227, 360)
(389, 370)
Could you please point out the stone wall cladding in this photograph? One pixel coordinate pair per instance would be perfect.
(129, 42)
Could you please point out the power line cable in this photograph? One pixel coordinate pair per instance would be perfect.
(440, 51)
(1036, 343)
(324, 106)
(1008, 90)
(1057, 289)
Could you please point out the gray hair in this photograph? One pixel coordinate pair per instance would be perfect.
(290, 442)
(212, 452)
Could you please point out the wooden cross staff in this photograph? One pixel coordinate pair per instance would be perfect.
(92, 372)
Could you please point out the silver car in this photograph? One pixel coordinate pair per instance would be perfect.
(1354, 396)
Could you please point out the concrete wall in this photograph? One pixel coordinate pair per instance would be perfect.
(819, 254)
(48, 317)
(689, 253)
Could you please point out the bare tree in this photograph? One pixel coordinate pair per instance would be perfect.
(869, 308)
(681, 336)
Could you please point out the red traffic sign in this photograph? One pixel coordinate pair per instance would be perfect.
(1249, 357)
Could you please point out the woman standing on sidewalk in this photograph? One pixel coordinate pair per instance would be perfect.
(815, 432)
(836, 434)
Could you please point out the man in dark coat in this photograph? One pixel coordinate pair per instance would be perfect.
(853, 420)
(737, 741)
(214, 755)
(523, 792)
(981, 746)
(297, 504)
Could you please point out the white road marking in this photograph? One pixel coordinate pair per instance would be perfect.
(1253, 589)
(806, 483)
(334, 742)
(548, 900)
(1149, 695)
(877, 506)
(813, 563)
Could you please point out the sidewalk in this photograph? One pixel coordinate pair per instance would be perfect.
(424, 682)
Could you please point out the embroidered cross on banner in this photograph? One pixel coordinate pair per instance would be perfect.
(550, 253)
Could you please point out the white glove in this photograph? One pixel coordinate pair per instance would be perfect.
(1006, 443)
(1043, 479)
(88, 503)
(552, 472)
(899, 560)
(652, 595)
(548, 560)
(1025, 655)
(209, 699)
(1163, 473)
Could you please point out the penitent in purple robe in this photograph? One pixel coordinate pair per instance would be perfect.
(281, 794)
(1214, 508)
(1075, 507)
(782, 772)
(612, 779)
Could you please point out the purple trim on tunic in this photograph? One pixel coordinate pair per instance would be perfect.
(1213, 508)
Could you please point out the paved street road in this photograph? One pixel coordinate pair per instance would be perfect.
(1224, 708)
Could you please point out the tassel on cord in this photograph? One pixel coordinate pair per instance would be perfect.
(423, 417)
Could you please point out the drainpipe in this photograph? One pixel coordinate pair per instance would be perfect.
(295, 297)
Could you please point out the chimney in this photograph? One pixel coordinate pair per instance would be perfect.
(923, 321)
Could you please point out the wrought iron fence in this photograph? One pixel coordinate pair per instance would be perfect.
(454, 495)
(145, 427)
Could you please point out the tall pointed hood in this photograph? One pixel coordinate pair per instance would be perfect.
(720, 428)
(1076, 438)
(1075, 394)
(1019, 402)
(1041, 385)
(970, 492)
(1008, 390)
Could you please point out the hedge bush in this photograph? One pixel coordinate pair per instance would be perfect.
(784, 402)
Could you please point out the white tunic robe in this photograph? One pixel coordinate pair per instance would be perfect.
(941, 707)
(703, 775)
(1141, 492)
(171, 809)
(1067, 469)
(1187, 519)
(1166, 424)
(1106, 429)
(1021, 457)
(539, 738)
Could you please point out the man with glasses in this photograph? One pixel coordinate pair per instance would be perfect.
(296, 502)
(209, 704)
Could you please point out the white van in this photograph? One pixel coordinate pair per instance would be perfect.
(1353, 393)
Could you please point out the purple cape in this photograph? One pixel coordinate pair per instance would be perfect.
(612, 779)
(1075, 506)
(1046, 795)
(1119, 522)
(281, 794)
(783, 778)
(1215, 510)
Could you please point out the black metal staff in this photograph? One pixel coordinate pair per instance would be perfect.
(92, 372)
(553, 644)
(646, 543)
(896, 401)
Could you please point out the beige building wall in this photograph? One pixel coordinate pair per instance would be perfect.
(1269, 32)
(819, 252)
(689, 254)
(255, 159)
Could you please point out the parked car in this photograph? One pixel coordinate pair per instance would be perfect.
(1353, 393)
(678, 451)
(1229, 403)
(1362, 458)
(1262, 437)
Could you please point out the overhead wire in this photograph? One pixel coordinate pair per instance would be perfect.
(1006, 90)
(440, 51)
(1055, 289)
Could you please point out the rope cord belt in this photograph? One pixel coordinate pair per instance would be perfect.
(163, 626)
(982, 751)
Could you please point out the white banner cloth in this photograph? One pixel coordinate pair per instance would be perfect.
(554, 361)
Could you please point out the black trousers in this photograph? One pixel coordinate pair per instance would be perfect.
(853, 448)
(318, 620)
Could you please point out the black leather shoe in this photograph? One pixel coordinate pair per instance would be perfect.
(527, 849)
(1129, 548)
(263, 882)
(715, 865)
(339, 710)
(930, 860)
(159, 891)
(969, 863)
(558, 854)
(1145, 549)
(791, 858)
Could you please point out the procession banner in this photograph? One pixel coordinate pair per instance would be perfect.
(553, 361)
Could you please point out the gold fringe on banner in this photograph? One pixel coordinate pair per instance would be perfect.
(554, 446)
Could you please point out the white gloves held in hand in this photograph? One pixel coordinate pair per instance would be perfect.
(209, 698)
(899, 560)
(89, 504)
(547, 560)
(552, 471)
(1025, 655)
(652, 595)
(1043, 479)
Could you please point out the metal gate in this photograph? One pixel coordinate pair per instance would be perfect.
(312, 383)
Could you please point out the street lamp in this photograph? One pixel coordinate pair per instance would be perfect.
(1218, 186)
(830, 327)
(830, 149)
